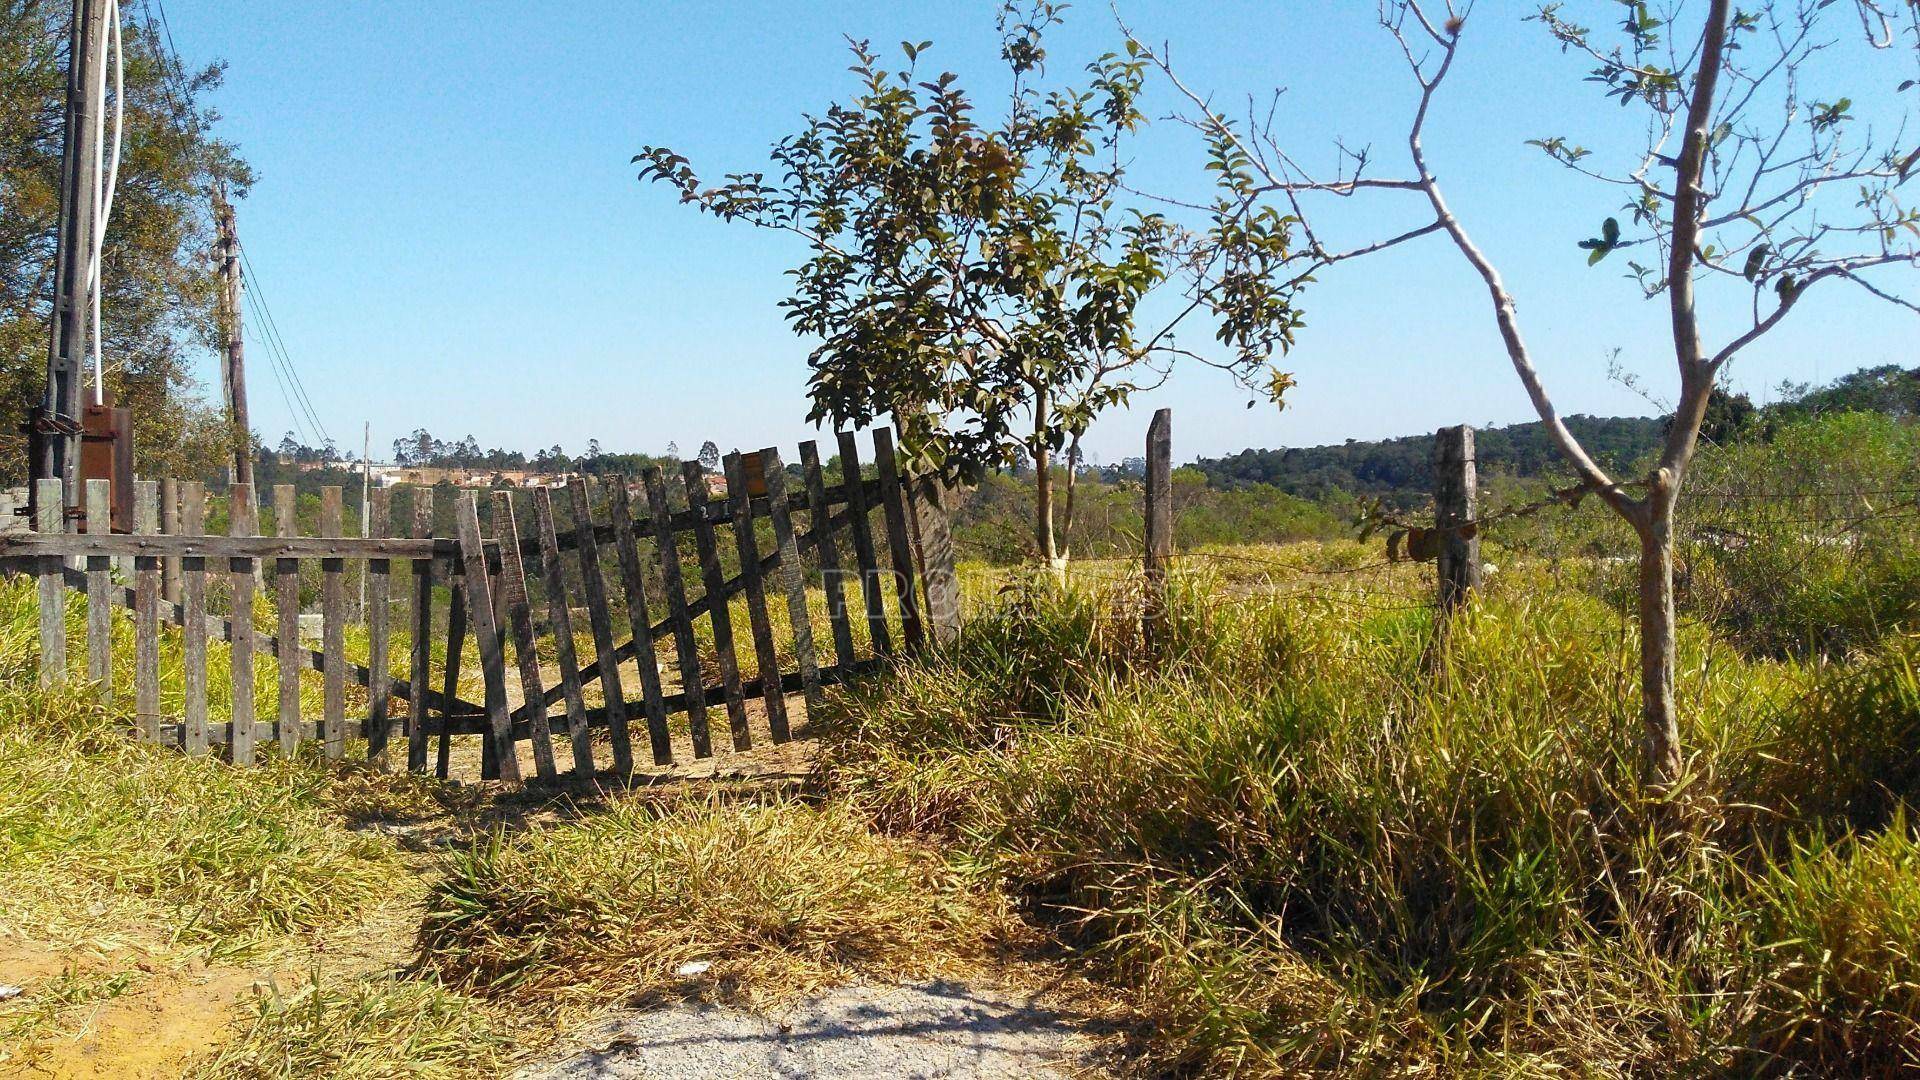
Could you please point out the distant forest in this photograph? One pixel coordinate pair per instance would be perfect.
(1401, 469)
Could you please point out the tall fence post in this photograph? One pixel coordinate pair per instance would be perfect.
(1159, 523)
(937, 572)
(49, 502)
(1454, 506)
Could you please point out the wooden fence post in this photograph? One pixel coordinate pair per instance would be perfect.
(1454, 505)
(333, 640)
(242, 732)
(1159, 523)
(287, 725)
(936, 554)
(170, 525)
(49, 503)
(493, 667)
(193, 593)
(146, 615)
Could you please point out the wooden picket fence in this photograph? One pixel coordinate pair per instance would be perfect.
(492, 570)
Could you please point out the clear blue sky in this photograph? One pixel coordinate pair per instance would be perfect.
(450, 235)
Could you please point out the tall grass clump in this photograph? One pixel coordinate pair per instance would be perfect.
(1312, 838)
(374, 1027)
(778, 899)
(97, 830)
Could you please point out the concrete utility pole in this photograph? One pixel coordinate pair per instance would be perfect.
(58, 422)
(234, 369)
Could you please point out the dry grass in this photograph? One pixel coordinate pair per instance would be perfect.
(779, 898)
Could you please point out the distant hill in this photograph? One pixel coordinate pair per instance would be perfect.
(1402, 468)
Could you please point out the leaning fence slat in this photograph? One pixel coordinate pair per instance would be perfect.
(193, 591)
(99, 507)
(556, 585)
(333, 631)
(667, 550)
(830, 580)
(641, 622)
(699, 496)
(379, 581)
(893, 498)
(513, 585)
(600, 618)
(863, 550)
(936, 558)
(170, 525)
(493, 668)
(240, 740)
(792, 575)
(422, 623)
(286, 590)
(49, 504)
(765, 655)
(456, 649)
(146, 615)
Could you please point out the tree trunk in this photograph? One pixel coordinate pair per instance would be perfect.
(1043, 485)
(1661, 729)
(1066, 518)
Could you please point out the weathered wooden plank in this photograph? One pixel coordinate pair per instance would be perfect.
(863, 551)
(634, 582)
(831, 581)
(1455, 503)
(287, 727)
(667, 550)
(421, 672)
(893, 499)
(170, 525)
(665, 627)
(937, 567)
(146, 616)
(765, 655)
(561, 619)
(378, 617)
(193, 594)
(513, 587)
(50, 505)
(1159, 524)
(600, 618)
(475, 723)
(493, 667)
(99, 506)
(229, 547)
(240, 522)
(699, 495)
(456, 651)
(792, 574)
(333, 633)
(682, 520)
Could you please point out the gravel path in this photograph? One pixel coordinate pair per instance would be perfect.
(930, 1030)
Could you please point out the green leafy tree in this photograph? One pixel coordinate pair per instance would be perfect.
(1754, 179)
(977, 279)
(161, 293)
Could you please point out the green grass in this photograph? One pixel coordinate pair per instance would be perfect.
(1304, 841)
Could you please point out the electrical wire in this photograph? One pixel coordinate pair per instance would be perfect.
(106, 180)
(272, 335)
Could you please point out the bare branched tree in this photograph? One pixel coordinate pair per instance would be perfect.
(1744, 182)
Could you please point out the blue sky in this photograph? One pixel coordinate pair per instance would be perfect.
(450, 235)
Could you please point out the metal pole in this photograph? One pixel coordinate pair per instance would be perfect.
(59, 419)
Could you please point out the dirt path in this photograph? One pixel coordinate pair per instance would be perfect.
(148, 1011)
(939, 1029)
